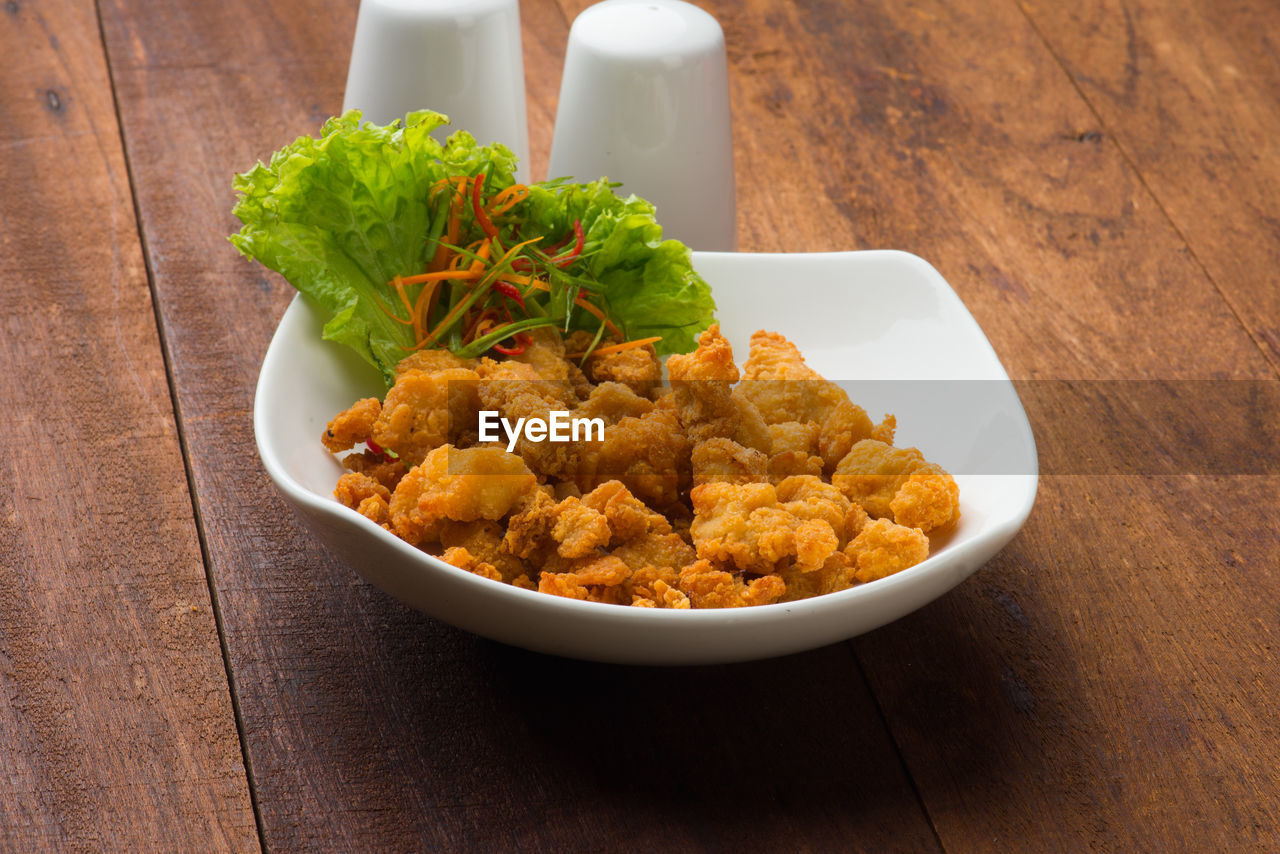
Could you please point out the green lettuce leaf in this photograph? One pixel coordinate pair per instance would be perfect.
(341, 215)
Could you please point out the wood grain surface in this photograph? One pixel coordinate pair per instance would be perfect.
(368, 726)
(1190, 93)
(1096, 180)
(116, 723)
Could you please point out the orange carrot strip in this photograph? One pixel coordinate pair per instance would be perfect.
(419, 278)
(618, 348)
(580, 302)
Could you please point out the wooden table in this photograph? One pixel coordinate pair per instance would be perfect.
(181, 667)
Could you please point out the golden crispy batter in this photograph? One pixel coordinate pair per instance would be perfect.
(461, 485)
(355, 487)
(884, 547)
(835, 574)
(431, 360)
(637, 368)
(808, 497)
(780, 384)
(873, 473)
(655, 550)
(545, 354)
(655, 587)
(484, 539)
(424, 410)
(628, 517)
(799, 436)
(702, 382)
(384, 470)
(703, 385)
(726, 460)
(710, 587)
(845, 425)
(612, 402)
(351, 426)
(365, 495)
(743, 525)
(586, 578)
(793, 463)
(693, 498)
(885, 430)
(463, 559)
(517, 390)
(579, 530)
(926, 500)
(647, 454)
(529, 529)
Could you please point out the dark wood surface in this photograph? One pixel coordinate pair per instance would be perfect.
(184, 668)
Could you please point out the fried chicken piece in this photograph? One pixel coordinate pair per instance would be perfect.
(611, 402)
(835, 575)
(721, 459)
(780, 384)
(926, 500)
(517, 390)
(579, 530)
(458, 484)
(809, 497)
(431, 359)
(885, 430)
(529, 529)
(588, 579)
(873, 474)
(351, 426)
(884, 547)
(628, 517)
(744, 525)
(365, 495)
(709, 587)
(798, 436)
(702, 382)
(655, 550)
(483, 538)
(637, 368)
(463, 559)
(510, 379)
(846, 424)
(791, 464)
(545, 354)
(647, 454)
(854, 521)
(355, 487)
(656, 585)
(425, 410)
(383, 469)
(752, 430)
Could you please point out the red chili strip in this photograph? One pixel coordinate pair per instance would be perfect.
(477, 205)
(510, 291)
(522, 342)
(579, 240)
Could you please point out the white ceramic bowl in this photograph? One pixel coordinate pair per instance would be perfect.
(876, 315)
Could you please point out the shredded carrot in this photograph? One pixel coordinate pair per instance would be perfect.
(581, 303)
(618, 348)
(505, 200)
(435, 277)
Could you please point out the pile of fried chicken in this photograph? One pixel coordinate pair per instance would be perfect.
(705, 492)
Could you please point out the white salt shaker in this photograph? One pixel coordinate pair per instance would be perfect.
(458, 57)
(645, 101)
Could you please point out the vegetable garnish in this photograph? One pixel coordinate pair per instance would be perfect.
(410, 244)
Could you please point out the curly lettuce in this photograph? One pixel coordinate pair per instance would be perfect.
(342, 214)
